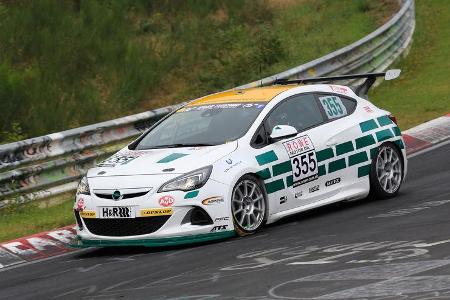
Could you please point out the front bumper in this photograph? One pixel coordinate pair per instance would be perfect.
(154, 242)
(155, 230)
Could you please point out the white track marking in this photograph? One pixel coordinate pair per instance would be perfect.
(421, 245)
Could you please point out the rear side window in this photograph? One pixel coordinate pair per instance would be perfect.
(301, 112)
(335, 106)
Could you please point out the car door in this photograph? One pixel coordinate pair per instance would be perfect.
(341, 156)
(294, 176)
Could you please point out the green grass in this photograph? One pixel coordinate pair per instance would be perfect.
(422, 92)
(68, 63)
(19, 221)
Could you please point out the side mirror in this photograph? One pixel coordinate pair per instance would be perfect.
(280, 132)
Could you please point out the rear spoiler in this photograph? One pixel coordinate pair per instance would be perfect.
(360, 90)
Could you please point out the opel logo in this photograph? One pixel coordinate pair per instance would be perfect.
(116, 195)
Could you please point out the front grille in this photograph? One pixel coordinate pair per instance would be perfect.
(125, 227)
(125, 196)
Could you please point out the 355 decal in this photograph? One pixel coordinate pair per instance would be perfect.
(303, 159)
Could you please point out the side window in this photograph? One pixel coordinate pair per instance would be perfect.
(301, 112)
(336, 107)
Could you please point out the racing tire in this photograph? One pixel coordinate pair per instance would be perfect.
(386, 172)
(248, 205)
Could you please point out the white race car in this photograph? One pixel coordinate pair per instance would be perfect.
(230, 162)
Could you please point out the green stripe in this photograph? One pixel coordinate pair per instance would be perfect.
(384, 135)
(364, 141)
(264, 174)
(344, 148)
(363, 170)
(266, 158)
(336, 165)
(171, 157)
(191, 195)
(322, 170)
(274, 186)
(368, 125)
(324, 154)
(373, 152)
(357, 158)
(81, 243)
(400, 144)
(282, 168)
(396, 131)
(384, 120)
(289, 181)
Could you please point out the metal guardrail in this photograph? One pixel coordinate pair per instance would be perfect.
(52, 164)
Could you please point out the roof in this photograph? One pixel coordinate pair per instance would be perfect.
(258, 94)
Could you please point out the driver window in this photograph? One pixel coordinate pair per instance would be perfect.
(300, 112)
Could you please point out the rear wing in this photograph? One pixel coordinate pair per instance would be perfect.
(360, 90)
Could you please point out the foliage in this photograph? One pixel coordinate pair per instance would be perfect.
(68, 63)
(422, 92)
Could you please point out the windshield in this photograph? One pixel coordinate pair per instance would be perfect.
(202, 125)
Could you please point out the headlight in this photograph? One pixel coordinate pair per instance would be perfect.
(189, 181)
(83, 187)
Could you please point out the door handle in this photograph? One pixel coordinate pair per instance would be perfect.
(331, 143)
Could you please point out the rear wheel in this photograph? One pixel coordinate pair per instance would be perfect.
(386, 174)
(248, 205)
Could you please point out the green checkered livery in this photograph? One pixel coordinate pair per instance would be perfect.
(356, 154)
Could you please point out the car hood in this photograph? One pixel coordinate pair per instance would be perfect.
(160, 161)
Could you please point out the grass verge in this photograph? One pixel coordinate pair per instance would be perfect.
(422, 92)
(23, 220)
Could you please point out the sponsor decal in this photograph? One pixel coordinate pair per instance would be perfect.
(222, 219)
(117, 212)
(333, 181)
(303, 160)
(152, 212)
(87, 214)
(212, 200)
(231, 165)
(313, 189)
(166, 201)
(219, 228)
(298, 194)
(283, 200)
(120, 158)
(339, 89)
(368, 109)
(80, 204)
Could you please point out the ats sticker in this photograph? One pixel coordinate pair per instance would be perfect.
(303, 160)
(212, 200)
(219, 228)
(88, 214)
(166, 201)
(152, 212)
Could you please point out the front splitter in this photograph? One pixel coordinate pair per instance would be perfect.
(170, 241)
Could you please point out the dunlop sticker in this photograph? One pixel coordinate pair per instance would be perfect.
(152, 212)
(87, 214)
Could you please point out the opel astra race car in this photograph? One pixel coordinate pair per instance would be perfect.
(230, 162)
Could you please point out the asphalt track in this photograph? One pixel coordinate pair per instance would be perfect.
(390, 249)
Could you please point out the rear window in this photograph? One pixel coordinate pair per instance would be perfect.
(335, 106)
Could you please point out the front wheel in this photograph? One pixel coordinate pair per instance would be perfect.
(386, 174)
(248, 205)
